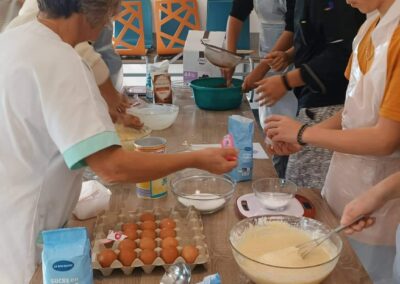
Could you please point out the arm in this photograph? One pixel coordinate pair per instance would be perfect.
(381, 139)
(114, 164)
(284, 43)
(370, 201)
(334, 122)
(241, 10)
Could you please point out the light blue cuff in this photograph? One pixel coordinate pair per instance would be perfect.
(75, 156)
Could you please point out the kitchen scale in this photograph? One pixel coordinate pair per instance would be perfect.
(249, 206)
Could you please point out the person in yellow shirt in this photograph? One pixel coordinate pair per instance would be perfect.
(365, 134)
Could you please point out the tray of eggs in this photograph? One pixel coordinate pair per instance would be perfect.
(151, 238)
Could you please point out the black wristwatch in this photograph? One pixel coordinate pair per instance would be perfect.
(300, 134)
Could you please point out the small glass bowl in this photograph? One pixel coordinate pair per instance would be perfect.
(207, 193)
(155, 116)
(274, 193)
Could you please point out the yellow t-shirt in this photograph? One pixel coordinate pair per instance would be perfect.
(390, 106)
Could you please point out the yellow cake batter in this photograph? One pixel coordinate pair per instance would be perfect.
(275, 243)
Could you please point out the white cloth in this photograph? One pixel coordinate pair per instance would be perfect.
(351, 175)
(50, 107)
(8, 11)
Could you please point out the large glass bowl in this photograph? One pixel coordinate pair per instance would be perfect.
(261, 273)
(155, 116)
(207, 193)
(274, 193)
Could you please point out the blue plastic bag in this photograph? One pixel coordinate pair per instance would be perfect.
(66, 256)
(242, 130)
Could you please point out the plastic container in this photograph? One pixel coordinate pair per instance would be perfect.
(155, 116)
(189, 231)
(93, 199)
(206, 192)
(212, 93)
(274, 193)
(261, 273)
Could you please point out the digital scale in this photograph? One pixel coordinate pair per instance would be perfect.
(249, 206)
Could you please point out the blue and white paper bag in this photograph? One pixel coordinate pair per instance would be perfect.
(242, 130)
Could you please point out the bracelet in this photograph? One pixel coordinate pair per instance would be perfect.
(300, 134)
(286, 82)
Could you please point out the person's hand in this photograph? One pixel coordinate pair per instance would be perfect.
(227, 73)
(283, 149)
(251, 80)
(278, 60)
(365, 204)
(130, 120)
(270, 90)
(123, 104)
(280, 128)
(216, 160)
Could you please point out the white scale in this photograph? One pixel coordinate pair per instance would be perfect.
(249, 206)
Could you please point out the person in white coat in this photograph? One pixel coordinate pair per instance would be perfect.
(54, 122)
(105, 63)
(365, 135)
(8, 11)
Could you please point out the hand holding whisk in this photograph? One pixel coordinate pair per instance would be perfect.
(305, 248)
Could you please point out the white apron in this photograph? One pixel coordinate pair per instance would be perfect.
(271, 14)
(350, 175)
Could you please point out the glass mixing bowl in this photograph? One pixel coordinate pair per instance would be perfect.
(274, 193)
(207, 193)
(155, 116)
(262, 273)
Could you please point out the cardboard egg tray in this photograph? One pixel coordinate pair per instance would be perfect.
(189, 231)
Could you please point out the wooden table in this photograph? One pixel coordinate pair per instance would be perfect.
(198, 126)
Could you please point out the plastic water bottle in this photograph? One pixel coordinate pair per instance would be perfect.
(178, 273)
(149, 91)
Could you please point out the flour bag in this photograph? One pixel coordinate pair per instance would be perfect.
(242, 130)
(66, 256)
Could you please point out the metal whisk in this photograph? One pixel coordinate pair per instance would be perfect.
(305, 248)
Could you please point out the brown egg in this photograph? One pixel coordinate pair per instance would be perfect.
(148, 234)
(190, 253)
(106, 257)
(129, 226)
(147, 256)
(127, 244)
(131, 234)
(147, 217)
(165, 233)
(169, 242)
(169, 254)
(167, 223)
(148, 225)
(126, 256)
(147, 243)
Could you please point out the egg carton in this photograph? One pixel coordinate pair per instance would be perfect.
(189, 231)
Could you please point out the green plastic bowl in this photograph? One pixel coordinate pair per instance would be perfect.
(210, 94)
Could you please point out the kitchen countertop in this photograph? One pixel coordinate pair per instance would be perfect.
(198, 126)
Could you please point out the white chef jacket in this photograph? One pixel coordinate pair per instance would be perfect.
(52, 116)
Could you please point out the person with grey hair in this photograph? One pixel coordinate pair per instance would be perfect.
(105, 63)
(54, 122)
